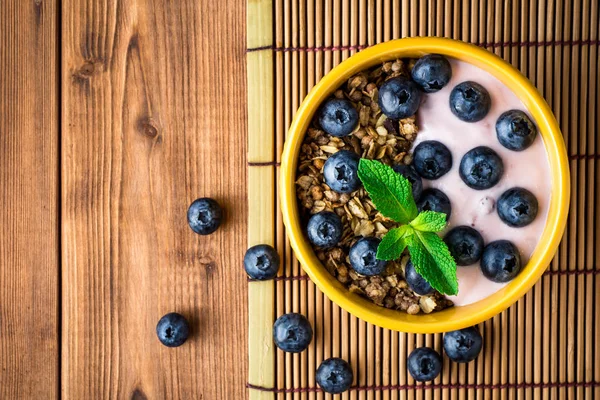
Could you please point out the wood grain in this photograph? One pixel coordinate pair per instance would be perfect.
(29, 194)
(153, 118)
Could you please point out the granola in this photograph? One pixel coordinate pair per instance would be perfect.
(375, 137)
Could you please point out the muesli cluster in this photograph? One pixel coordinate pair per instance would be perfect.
(374, 137)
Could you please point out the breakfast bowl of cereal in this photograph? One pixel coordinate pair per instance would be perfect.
(424, 185)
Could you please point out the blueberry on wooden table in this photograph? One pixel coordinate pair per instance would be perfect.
(172, 330)
(325, 229)
(432, 159)
(399, 98)
(292, 333)
(408, 171)
(338, 117)
(424, 364)
(261, 262)
(435, 200)
(465, 244)
(515, 130)
(463, 345)
(363, 257)
(415, 281)
(517, 207)
(204, 216)
(334, 375)
(431, 72)
(340, 172)
(470, 101)
(481, 168)
(500, 261)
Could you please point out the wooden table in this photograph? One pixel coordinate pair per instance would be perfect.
(115, 116)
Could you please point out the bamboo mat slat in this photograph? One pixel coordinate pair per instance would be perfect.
(544, 346)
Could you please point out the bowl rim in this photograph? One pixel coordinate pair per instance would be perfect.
(457, 317)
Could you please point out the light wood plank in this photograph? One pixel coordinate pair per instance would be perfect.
(153, 118)
(29, 216)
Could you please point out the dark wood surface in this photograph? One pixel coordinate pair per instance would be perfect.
(115, 117)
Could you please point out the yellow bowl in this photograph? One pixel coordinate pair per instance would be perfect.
(455, 317)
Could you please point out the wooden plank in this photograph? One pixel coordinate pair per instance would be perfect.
(153, 118)
(29, 230)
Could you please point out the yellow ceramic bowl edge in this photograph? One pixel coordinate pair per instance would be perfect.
(454, 317)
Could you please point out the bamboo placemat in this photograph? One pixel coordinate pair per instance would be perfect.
(545, 346)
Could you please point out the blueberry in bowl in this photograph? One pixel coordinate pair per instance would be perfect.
(432, 72)
(435, 200)
(517, 207)
(324, 229)
(415, 281)
(470, 101)
(399, 97)
(432, 159)
(338, 117)
(465, 244)
(481, 168)
(340, 171)
(515, 130)
(408, 171)
(363, 257)
(500, 261)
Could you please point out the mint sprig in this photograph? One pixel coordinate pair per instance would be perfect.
(392, 195)
(390, 191)
(394, 242)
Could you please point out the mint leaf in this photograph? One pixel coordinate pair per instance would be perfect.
(390, 191)
(429, 221)
(433, 261)
(394, 242)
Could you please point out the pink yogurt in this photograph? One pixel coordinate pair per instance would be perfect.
(528, 169)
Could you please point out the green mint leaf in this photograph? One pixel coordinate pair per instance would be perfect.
(390, 191)
(433, 261)
(429, 221)
(394, 242)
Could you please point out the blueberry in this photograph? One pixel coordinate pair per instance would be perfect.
(469, 101)
(432, 159)
(204, 216)
(515, 131)
(261, 262)
(465, 245)
(363, 257)
(481, 168)
(424, 364)
(432, 72)
(334, 375)
(325, 229)
(435, 200)
(399, 97)
(416, 282)
(292, 333)
(341, 171)
(408, 171)
(338, 117)
(500, 261)
(463, 345)
(517, 207)
(172, 330)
